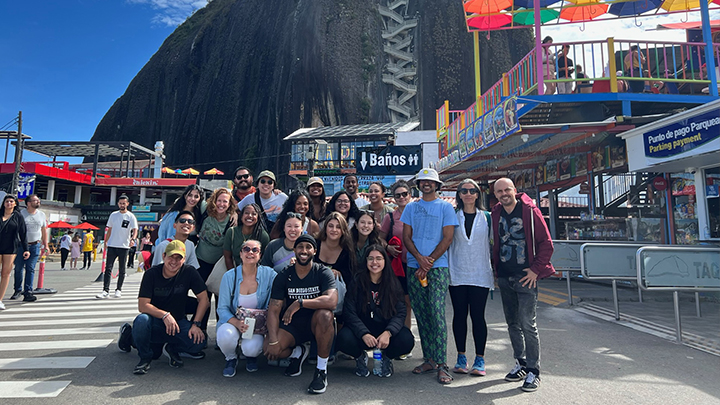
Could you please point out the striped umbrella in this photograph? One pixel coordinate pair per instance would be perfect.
(190, 171)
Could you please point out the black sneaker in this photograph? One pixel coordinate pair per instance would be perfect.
(295, 367)
(173, 356)
(531, 383)
(361, 368)
(29, 297)
(517, 373)
(142, 367)
(125, 339)
(387, 367)
(16, 295)
(194, 356)
(319, 382)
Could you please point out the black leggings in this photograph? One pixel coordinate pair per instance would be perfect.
(63, 257)
(87, 258)
(474, 298)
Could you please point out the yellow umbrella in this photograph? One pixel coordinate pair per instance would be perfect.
(168, 170)
(214, 172)
(678, 5)
(191, 171)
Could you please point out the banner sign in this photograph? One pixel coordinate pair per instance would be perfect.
(682, 136)
(390, 160)
(146, 216)
(145, 182)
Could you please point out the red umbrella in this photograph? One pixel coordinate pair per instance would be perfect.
(60, 225)
(489, 22)
(86, 225)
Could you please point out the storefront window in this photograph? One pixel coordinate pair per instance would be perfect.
(347, 151)
(712, 181)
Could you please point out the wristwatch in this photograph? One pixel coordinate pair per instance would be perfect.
(300, 301)
(198, 324)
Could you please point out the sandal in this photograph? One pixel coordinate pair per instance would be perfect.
(427, 366)
(443, 375)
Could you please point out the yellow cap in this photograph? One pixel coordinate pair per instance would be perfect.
(175, 248)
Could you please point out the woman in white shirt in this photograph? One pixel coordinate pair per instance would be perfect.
(471, 275)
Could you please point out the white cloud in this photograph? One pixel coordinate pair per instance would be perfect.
(172, 12)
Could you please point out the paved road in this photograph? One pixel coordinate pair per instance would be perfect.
(64, 347)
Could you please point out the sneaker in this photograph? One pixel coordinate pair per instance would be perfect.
(230, 367)
(102, 295)
(295, 367)
(82, 268)
(142, 367)
(531, 382)
(517, 373)
(478, 368)
(461, 366)
(405, 356)
(251, 365)
(29, 297)
(387, 367)
(361, 368)
(118, 294)
(125, 339)
(319, 382)
(16, 295)
(2, 306)
(195, 356)
(174, 358)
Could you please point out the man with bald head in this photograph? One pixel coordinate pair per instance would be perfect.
(521, 256)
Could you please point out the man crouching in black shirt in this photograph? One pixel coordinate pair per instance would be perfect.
(162, 301)
(307, 292)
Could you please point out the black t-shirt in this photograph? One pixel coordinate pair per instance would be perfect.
(342, 264)
(513, 248)
(469, 219)
(171, 294)
(289, 287)
(563, 61)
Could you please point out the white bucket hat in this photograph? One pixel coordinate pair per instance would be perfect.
(428, 174)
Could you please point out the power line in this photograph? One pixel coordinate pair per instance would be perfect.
(230, 161)
(9, 124)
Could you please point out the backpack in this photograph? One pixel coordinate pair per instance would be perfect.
(263, 216)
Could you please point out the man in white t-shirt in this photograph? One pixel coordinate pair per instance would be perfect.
(36, 224)
(270, 202)
(184, 225)
(121, 227)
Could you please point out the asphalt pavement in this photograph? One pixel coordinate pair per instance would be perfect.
(62, 349)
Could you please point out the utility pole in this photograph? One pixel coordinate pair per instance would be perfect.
(18, 157)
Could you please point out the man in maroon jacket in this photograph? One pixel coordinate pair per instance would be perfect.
(521, 255)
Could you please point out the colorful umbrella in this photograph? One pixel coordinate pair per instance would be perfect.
(214, 172)
(679, 5)
(585, 10)
(634, 7)
(86, 225)
(60, 225)
(486, 6)
(529, 3)
(191, 171)
(180, 172)
(489, 22)
(168, 170)
(527, 17)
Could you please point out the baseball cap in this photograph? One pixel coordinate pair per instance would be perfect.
(315, 180)
(175, 247)
(267, 173)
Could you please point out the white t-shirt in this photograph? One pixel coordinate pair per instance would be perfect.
(190, 257)
(272, 206)
(34, 224)
(121, 225)
(361, 201)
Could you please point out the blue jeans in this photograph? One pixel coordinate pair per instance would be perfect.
(29, 265)
(520, 306)
(148, 331)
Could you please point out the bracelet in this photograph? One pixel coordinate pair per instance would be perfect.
(273, 343)
(165, 316)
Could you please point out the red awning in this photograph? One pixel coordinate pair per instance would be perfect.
(687, 25)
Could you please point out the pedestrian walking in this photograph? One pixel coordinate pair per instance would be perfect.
(37, 237)
(122, 227)
(87, 249)
(75, 251)
(65, 247)
(13, 238)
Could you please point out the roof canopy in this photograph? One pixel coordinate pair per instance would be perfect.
(351, 131)
(87, 149)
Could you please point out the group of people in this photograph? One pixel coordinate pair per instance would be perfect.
(308, 278)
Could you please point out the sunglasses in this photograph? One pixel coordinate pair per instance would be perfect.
(401, 195)
(294, 215)
(242, 176)
(186, 221)
(268, 181)
(343, 202)
(248, 249)
(472, 191)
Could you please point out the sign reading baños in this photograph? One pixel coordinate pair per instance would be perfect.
(682, 136)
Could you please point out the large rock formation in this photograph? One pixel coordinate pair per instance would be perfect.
(239, 75)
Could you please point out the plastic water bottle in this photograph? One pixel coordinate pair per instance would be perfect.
(377, 362)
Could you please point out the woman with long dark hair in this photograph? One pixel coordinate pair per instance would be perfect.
(299, 202)
(250, 227)
(316, 189)
(280, 252)
(335, 249)
(193, 200)
(364, 234)
(343, 203)
(374, 311)
(471, 275)
(376, 193)
(13, 235)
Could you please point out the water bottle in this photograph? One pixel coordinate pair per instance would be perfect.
(377, 362)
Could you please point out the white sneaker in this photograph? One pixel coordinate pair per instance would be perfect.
(2, 306)
(118, 294)
(103, 295)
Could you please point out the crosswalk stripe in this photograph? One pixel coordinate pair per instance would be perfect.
(32, 389)
(56, 344)
(58, 332)
(108, 311)
(31, 363)
(74, 302)
(72, 321)
(35, 308)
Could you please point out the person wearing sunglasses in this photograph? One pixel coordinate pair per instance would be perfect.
(376, 192)
(242, 183)
(471, 274)
(248, 286)
(193, 200)
(299, 202)
(392, 227)
(184, 225)
(343, 203)
(250, 227)
(280, 252)
(265, 197)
